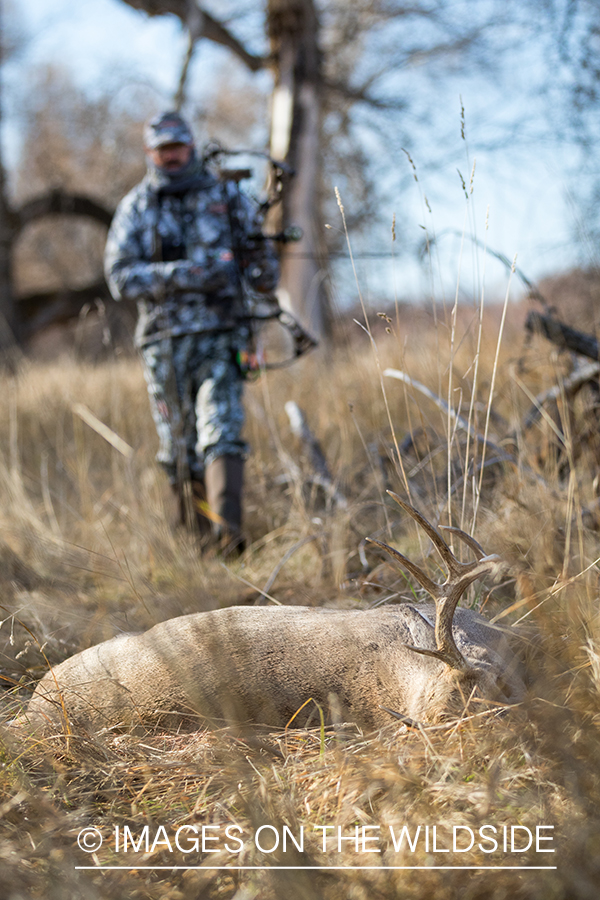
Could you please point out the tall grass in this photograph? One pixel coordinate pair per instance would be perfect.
(88, 551)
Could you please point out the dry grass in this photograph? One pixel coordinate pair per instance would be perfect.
(87, 552)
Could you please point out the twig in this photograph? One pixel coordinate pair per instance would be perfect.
(300, 428)
(249, 584)
(570, 386)
(285, 558)
(103, 430)
(460, 421)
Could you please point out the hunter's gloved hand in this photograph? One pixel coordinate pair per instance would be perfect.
(218, 275)
(221, 274)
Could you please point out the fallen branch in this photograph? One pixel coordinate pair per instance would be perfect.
(501, 454)
(460, 421)
(57, 307)
(322, 476)
(569, 387)
(103, 430)
(562, 335)
(288, 555)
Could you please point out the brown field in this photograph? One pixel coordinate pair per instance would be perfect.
(87, 552)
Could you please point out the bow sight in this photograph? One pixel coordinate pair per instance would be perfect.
(260, 309)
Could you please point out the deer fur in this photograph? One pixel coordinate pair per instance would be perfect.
(262, 664)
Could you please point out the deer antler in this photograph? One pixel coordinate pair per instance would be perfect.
(446, 595)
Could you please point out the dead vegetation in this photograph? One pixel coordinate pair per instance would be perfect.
(87, 552)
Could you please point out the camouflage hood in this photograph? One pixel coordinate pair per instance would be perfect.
(193, 176)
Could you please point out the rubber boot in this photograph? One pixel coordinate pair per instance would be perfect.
(224, 478)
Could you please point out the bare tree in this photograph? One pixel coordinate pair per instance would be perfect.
(16, 216)
(77, 158)
(293, 30)
(8, 319)
(340, 71)
(72, 147)
(571, 88)
(317, 53)
(8, 322)
(296, 129)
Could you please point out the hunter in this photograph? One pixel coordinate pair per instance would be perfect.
(177, 246)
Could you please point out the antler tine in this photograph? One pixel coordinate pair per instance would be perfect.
(430, 586)
(445, 606)
(436, 538)
(446, 595)
(467, 539)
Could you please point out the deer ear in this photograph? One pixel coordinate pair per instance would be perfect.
(421, 629)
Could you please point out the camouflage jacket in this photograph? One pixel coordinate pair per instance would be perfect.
(172, 251)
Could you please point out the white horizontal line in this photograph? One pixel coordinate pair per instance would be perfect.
(318, 868)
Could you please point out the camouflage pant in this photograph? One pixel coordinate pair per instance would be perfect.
(195, 388)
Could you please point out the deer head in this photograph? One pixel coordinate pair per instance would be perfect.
(466, 676)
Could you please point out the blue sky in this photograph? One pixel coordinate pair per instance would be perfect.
(521, 195)
(92, 36)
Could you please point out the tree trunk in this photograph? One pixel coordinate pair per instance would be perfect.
(293, 29)
(8, 316)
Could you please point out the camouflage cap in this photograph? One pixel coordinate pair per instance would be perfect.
(167, 128)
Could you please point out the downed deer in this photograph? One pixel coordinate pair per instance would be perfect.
(261, 664)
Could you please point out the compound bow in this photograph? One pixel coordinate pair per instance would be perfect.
(260, 308)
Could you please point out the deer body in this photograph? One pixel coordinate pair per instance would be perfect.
(260, 665)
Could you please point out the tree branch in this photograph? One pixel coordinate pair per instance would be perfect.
(361, 95)
(39, 311)
(212, 29)
(62, 202)
(563, 335)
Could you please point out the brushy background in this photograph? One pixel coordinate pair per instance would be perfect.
(88, 550)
